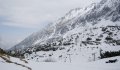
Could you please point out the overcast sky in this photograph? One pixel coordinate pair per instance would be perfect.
(20, 18)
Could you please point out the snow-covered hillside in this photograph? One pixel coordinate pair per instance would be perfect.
(11, 63)
(82, 35)
(79, 17)
(79, 45)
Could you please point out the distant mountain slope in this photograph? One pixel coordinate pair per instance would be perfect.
(81, 33)
(106, 9)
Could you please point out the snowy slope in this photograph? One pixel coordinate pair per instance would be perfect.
(76, 48)
(97, 65)
(17, 65)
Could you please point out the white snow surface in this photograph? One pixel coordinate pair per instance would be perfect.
(10, 66)
(96, 65)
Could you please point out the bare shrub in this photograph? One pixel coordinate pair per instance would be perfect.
(49, 60)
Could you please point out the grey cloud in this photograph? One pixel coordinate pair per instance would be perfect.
(30, 13)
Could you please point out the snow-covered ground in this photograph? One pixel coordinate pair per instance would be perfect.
(94, 65)
(9, 66)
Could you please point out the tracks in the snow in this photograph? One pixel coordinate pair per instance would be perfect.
(8, 61)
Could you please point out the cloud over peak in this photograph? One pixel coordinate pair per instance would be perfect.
(31, 13)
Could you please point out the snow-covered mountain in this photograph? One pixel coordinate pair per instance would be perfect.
(80, 35)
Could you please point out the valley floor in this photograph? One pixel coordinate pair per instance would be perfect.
(96, 65)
